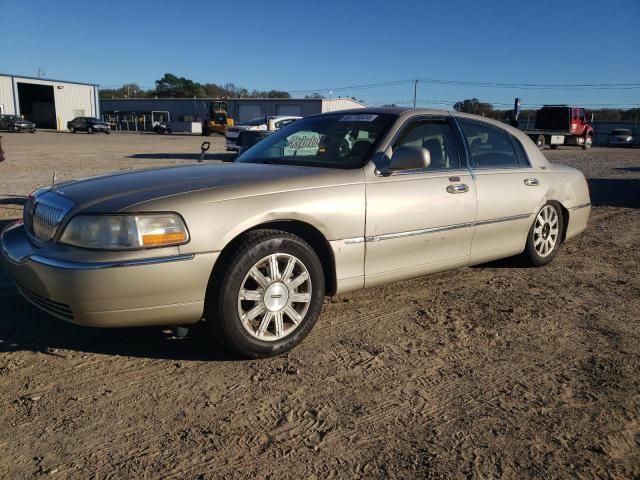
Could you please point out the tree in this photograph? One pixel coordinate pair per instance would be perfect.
(171, 86)
(314, 95)
(475, 106)
(128, 90)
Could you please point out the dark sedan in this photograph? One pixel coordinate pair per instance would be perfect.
(88, 124)
(621, 137)
(16, 124)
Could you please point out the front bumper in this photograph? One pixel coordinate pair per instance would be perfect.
(148, 291)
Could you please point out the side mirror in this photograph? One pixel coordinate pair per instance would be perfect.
(409, 158)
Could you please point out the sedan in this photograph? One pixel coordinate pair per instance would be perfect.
(16, 124)
(329, 204)
(89, 125)
(621, 137)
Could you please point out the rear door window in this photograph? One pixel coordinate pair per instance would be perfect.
(489, 146)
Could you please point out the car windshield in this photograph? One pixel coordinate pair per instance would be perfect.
(339, 140)
(253, 123)
(94, 119)
(11, 117)
(621, 131)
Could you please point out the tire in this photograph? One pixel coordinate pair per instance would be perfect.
(547, 231)
(107, 132)
(72, 129)
(33, 130)
(90, 130)
(267, 300)
(553, 147)
(540, 142)
(588, 141)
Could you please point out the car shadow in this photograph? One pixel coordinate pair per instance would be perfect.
(615, 192)
(220, 157)
(628, 169)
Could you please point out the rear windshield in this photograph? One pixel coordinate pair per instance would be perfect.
(255, 122)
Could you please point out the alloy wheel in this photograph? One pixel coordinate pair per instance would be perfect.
(274, 297)
(546, 231)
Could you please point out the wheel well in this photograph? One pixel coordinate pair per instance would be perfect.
(307, 232)
(565, 220)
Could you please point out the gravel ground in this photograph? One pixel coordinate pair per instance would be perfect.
(496, 371)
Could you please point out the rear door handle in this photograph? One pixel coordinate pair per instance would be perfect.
(459, 188)
(531, 182)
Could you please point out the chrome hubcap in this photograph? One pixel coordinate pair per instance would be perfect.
(274, 297)
(545, 231)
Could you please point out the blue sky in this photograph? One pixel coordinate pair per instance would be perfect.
(320, 45)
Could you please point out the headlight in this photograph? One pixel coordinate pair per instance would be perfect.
(125, 232)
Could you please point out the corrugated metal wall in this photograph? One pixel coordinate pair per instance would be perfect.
(6, 95)
(335, 104)
(70, 99)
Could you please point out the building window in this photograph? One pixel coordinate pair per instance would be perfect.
(189, 118)
(78, 113)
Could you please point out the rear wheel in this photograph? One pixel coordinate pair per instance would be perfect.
(545, 235)
(89, 129)
(72, 129)
(587, 142)
(269, 296)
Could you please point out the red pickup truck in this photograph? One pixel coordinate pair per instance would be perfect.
(562, 125)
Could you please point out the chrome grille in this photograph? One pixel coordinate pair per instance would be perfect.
(45, 221)
(44, 213)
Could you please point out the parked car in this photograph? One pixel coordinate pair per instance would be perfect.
(89, 125)
(16, 124)
(267, 123)
(253, 246)
(621, 137)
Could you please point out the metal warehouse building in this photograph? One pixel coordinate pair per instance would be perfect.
(186, 114)
(48, 103)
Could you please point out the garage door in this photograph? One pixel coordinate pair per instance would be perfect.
(248, 112)
(294, 110)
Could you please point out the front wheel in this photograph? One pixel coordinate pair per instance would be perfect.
(545, 235)
(269, 297)
(587, 143)
(90, 130)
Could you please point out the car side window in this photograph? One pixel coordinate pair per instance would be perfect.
(435, 136)
(490, 146)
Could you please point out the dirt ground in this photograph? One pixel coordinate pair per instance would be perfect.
(496, 371)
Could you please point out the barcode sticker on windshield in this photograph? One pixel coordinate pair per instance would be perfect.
(358, 118)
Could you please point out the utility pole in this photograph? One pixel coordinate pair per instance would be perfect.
(415, 93)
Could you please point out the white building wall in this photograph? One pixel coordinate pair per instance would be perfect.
(335, 104)
(6, 95)
(69, 98)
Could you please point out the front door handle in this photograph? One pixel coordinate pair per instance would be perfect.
(459, 188)
(531, 182)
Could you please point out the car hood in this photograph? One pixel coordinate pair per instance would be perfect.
(122, 191)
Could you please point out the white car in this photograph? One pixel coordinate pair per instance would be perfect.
(267, 123)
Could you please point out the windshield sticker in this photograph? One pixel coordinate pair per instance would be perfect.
(302, 144)
(358, 118)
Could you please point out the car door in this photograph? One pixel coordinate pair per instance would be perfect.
(508, 190)
(420, 221)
